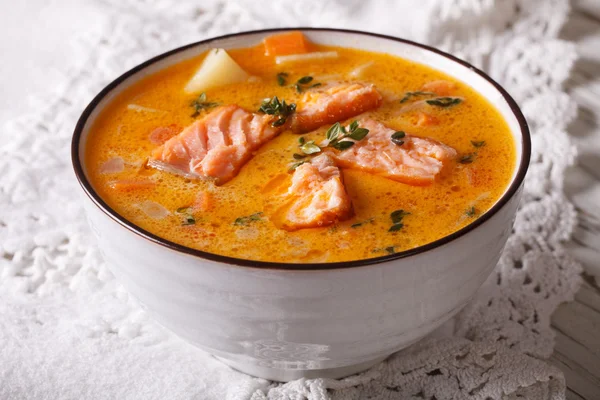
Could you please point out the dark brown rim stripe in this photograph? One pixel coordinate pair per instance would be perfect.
(91, 193)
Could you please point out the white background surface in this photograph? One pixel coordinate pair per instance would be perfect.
(35, 42)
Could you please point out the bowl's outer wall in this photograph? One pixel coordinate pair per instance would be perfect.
(314, 319)
(302, 319)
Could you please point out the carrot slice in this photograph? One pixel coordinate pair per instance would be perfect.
(285, 43)
(204, 202)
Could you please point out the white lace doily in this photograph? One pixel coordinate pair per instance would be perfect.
(68, 330)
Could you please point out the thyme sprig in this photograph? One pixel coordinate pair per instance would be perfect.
(278, 108)
(397, 218)
(444, 102)
(304, 83)
(244, 221)
(337, 133)
(200, 104)
(409, 95)
(188, 217)
(335, 138)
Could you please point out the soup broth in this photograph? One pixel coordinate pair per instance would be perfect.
(235, 218)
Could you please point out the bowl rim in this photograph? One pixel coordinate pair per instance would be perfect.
(110, 212)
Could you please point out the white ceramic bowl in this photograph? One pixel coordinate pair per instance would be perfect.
(288, 321)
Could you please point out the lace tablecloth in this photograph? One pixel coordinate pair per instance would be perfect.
(68, 330)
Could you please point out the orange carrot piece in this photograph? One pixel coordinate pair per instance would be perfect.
(285, 43)
(204, 201)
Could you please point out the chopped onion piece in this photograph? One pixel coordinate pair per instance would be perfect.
(315, 56)
(247, 233)
(138, 108)
(327, 77)
(388, 95)
(316, 256)
(153, 209)
(113, 166)
(359, 71)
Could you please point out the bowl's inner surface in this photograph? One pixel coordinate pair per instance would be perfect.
(410, 51)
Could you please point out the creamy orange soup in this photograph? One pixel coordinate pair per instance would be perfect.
(232, 220)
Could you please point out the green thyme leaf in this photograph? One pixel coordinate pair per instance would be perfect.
(388, 249)
(397, 137)
(200, 104)
(333, 132)
(295, 165)
(310, 147)
(410, 95)
(298, 156)
(471, 212)
(304, 80)
(301, 140)
(467, 158)
(343, 145)
(188, 218)
(358, 133)
(396, 227)
(398, 215)
(478, 143)
(281, 78)
(278, 122)
(243, 221)
(444, 102)
(361, 223)
(303, 83)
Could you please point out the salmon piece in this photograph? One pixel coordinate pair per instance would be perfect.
(315, 198)
(418, 161)
(216, 146)
(441, 87)
(332, 104)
